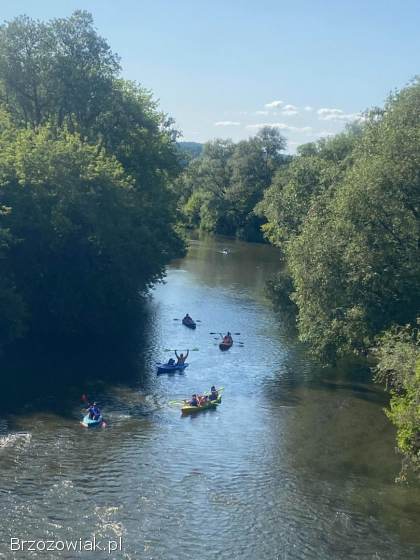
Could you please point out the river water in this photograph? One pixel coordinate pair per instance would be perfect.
(297, 463)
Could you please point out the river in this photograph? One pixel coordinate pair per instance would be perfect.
(297, 462)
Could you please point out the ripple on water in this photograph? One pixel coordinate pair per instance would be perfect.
(16, 440)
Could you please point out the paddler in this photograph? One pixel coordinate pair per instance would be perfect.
(181, 358)
(214, 394)
(227, 339)
(194, 401)
(94, 412)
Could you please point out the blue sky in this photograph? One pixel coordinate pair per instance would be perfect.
(222, 69)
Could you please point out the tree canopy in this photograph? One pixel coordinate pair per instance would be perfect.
(87, 160)
(220, 189)
(346, 214)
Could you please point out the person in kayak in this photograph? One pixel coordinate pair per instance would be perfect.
(227, 339)
(171, 362)
(214, 394)
(194, 401)
(181, 358)
(187, 318)
(94, 412)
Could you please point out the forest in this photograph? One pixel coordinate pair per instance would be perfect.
(94, 191)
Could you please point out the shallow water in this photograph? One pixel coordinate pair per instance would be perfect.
(297, 463)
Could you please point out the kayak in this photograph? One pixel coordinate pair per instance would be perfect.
(189, 323)
(90, 423)
(167, 368)
(187, 408)
(225, 345)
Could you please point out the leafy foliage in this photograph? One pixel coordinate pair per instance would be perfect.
(398, 355)
(346, 214)
(86, 163)
(220, 189)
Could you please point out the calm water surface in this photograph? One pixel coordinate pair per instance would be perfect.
(297, 463)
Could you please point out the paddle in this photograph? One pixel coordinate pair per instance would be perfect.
(176, 350)
(219, 390)
(235, 333)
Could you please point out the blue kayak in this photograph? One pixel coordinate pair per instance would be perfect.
(90, 423)
(167, 368)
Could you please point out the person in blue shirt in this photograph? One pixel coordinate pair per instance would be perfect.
(94, 412)
(214, 394)
(194, 401)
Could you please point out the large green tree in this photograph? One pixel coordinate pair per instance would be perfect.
(356, 263)
(87, 161)
(59, 71)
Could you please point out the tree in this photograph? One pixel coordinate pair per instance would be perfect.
(87, 162)
(60, 70)
(220, 190)
(356, 263)
(203, 187)
(398, 367)
(295, 188)
(85, 247)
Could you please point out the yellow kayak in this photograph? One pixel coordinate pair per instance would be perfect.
(187, 408)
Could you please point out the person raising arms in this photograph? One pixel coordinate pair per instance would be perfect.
(181, 358)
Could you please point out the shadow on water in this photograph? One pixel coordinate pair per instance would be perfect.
(52, 375)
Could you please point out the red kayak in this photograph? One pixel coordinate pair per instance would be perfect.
(225, 345)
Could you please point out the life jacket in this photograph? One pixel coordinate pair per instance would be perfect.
(95, 412)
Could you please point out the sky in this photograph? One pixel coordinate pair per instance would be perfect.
(225, 68)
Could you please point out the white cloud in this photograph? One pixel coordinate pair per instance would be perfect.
(308, 108)
(261, 112)
(290, 108)
(289, 112)
(281, 126)
(227, 123)
(326, 114)
(326, 111)
(274, 104)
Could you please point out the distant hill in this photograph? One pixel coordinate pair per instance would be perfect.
(192, 149)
